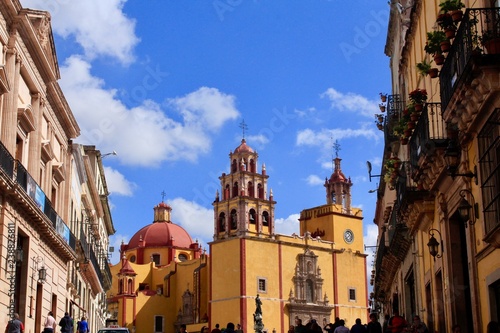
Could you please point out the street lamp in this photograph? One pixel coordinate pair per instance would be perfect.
(107, 154)
(452, 160)
(433, 244)
(468, 213)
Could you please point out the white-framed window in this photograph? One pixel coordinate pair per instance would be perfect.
(352, 294)
(262, 285)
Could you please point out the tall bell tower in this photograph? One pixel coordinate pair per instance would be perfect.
(244, 205)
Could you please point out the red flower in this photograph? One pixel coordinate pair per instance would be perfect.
(418, 96)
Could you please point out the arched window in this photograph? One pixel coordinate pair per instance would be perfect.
(252, 216)
(234, 220)
(226, 192)
(309, 291)
(251, 190)
(120, 287)
(235, 189)
(252, 166)
(234, 166)
(222, 222)
(260, 189)
(265, 219)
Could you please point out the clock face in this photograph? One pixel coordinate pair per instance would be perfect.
(348, 236)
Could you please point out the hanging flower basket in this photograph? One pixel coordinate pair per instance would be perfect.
(382, 107)
(433, 72)
(383, 97)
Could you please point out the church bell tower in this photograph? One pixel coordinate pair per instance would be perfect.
(244, 205)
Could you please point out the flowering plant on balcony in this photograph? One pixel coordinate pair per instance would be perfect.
(391, 168)
(418, 96)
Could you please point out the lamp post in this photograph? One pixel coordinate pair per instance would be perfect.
(38, 268)
(468, 213)
(452, 160)
(433, 244)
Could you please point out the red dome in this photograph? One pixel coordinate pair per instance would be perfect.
(243, 148)
(161, 234)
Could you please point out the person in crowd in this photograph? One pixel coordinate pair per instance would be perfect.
(493, 327)
(373, 326)
(229, 328)
(385, 327)
(50, 324)
(313, 327)
(418, 326)
(183, 328)
(341, 328)
(216, 329)
(329, 328)
(358, 327)
(336, 323)
(66, 323)
(291, 329)
(299, 327)
(238, 329)
(15, 325)
(204, 329)
(83, 327)
(397, 324)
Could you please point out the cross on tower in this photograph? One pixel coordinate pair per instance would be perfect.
(243, 127)
(163, 195)
(336, 147)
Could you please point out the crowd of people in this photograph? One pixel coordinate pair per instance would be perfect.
(394, 324)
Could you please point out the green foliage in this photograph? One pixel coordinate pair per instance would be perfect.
(449, 5)
(434, 39)
(424, 67)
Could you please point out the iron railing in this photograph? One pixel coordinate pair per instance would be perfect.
(478, 28)
(430, 132)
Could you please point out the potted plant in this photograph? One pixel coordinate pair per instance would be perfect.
(490, 39)
(382, 107)
(383, 97)
(418, 97)
(425, 68)
(453, 7)
(433, 46)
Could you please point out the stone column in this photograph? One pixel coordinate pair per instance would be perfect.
(9, 114)
(35, 136)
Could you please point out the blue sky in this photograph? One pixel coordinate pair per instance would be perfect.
(167, 83)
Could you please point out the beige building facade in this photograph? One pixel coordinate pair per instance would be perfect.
(438, 207)
(54, 216)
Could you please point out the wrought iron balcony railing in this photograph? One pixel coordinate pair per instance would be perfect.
(429, 134)
(475, 38)
(6, 160)
(28, 184)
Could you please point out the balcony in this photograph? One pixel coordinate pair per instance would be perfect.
(394, 109)
(474, 45)
(6, 161)
(429, 135)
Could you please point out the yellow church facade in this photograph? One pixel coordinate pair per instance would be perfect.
(166, 279)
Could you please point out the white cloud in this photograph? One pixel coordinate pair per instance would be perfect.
(206, 107)
(288, 225)
(314, 180)
(323, 138)
(351, 102)
(106, 122)
(100, 27)
(117, 184)
(197, 220)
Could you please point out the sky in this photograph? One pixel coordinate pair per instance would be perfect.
(167, 84)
